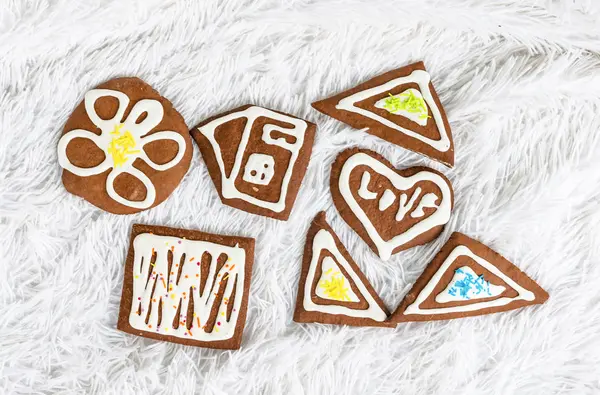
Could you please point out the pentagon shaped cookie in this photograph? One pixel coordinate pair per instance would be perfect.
(256, 157)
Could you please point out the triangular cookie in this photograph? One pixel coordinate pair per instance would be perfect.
(467, 278)
(400, 106)
(332, 289)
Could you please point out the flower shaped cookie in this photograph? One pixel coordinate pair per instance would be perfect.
(123, 143)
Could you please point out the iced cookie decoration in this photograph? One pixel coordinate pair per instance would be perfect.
(256, 157)
(187, 287)
(400, 106)
(392, 210)
(124, 148)
(332, 289)
(467, 278)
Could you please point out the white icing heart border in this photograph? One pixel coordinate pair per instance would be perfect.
(386, 248)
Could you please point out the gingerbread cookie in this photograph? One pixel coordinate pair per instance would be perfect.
(399, 106)
(186, 286)
(467, 278)
(125, 148)
(332, 289)
(256, 157)
(392, 210)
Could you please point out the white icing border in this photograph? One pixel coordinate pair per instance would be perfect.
(422, 78)
(323, 240)
(385, 248)
(523, 294)
(228, 189)
(143, 245)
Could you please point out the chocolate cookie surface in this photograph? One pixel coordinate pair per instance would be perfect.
(256, 158)
(186, 286)
(400, 106)
(467, 278)
(124, 148)
(391, 209)
(332, 288)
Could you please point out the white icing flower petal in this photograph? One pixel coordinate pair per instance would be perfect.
(154, 114)
(105, 124)
(143, 178)
(64, 161)
(168, 135)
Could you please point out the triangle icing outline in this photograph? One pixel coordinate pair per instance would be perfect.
(324, 240)
(421, 78)
(413, 308)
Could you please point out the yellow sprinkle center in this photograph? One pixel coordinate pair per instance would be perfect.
(121, 146)
(335, 288)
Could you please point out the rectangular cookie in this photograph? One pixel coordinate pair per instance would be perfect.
(186, 286)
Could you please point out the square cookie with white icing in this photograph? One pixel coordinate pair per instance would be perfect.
(186, 286)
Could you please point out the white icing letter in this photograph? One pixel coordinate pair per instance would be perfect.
(387, 199)
(427, 201)
(363, 191)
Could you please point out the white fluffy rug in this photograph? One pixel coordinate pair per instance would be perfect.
(520, 81)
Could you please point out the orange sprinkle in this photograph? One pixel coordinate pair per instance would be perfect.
(149, 326)
(174, 306)
(192, 258)
(186, 276)
(198, 320)
(197, 275)
(189, 332)
(163, 280)
(232, 266)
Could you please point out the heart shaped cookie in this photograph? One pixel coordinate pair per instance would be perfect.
(392, 210)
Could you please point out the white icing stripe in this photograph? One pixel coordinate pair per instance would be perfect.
(363, 191)
(126, 137)
(172, 293)
(324, 241)
(523, 294)
(439, 217)
(420, 77)
(228, 188)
